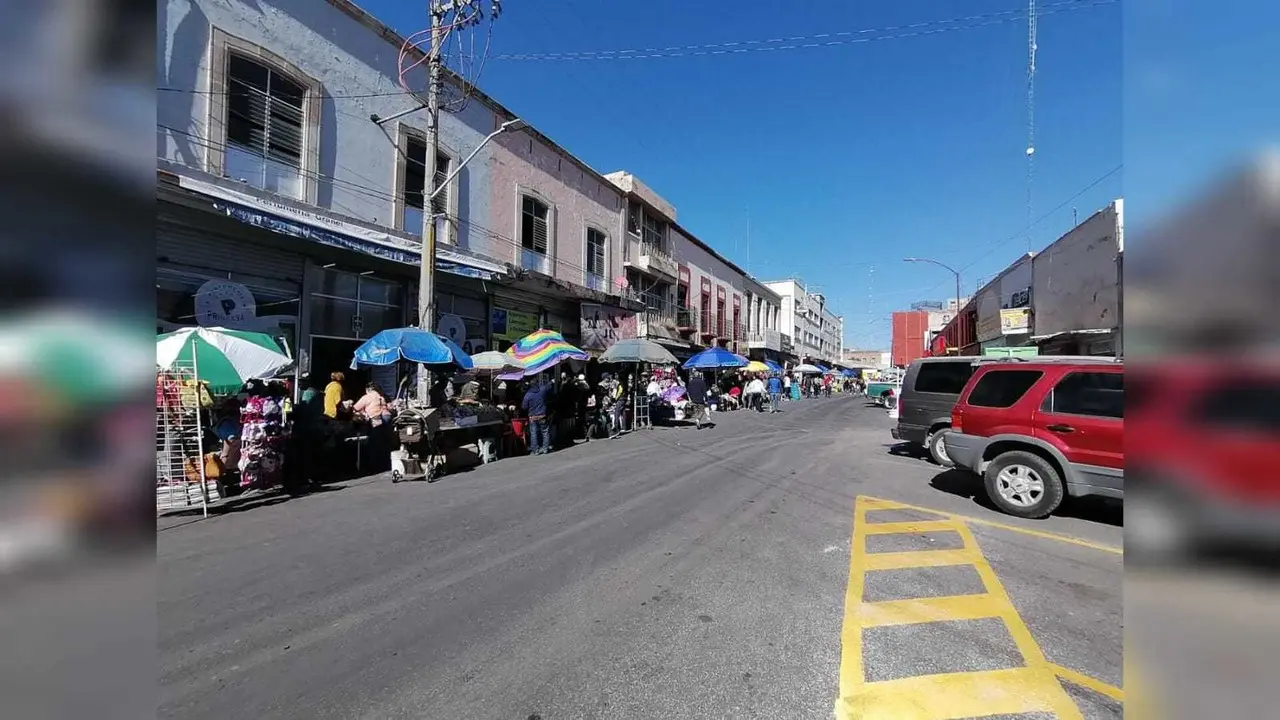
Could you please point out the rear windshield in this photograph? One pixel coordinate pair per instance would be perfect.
(1003, 388)
(943, 377)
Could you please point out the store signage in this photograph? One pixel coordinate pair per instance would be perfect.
(222, 303)
(602, 326)
(510, 325)
(1015, 321)
(452, 327)
(286, 219)
(1020, 299)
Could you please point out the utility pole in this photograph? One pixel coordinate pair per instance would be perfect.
(427, 265)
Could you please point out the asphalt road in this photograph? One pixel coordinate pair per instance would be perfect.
(672, 573)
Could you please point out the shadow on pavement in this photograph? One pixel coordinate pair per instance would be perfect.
(1090, 509)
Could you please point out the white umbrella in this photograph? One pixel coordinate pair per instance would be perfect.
(807, 369)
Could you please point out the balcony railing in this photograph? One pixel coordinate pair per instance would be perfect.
(655, 261)
(687, 319)
(599, 283)
(530, 260)
(765, 339)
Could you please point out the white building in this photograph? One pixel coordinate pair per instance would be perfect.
(278, 186)
(817, 332)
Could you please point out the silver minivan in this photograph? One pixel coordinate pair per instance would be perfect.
(930, 390)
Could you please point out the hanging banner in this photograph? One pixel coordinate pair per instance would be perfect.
(602, 326)
(510, 325)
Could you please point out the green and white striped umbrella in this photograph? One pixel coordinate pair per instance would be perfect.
(223, 358)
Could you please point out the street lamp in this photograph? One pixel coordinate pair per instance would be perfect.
(948, 268)
(508, 126)
(427, 270)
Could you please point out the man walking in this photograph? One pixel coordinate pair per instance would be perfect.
(697, 391)
(775, 393)
(535, 404)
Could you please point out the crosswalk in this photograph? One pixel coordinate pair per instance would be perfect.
(1032, 687)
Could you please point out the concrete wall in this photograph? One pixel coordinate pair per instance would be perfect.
(998, 294)
(354, 171)
(1076, 280)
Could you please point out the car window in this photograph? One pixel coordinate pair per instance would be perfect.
(1003, 388)
(1089, 393)
(943, 377)
(1246, 405)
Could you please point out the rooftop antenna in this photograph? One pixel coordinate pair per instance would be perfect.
(1031, 114)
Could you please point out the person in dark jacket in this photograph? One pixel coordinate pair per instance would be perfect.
(698, 409)
(535, 404)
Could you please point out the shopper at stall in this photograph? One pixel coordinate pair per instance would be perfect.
(535, 404)
(333, 395)
(755, 394)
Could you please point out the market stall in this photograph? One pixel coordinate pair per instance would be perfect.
(640, 355)
(425, 433)
(713, 361)
(537, 353)
(215, 437)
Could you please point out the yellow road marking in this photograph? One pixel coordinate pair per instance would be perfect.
(1031, 688)
(878, 504)
(1085, 681)
(916, 526)
(916, 559)
(933, 609)
(1012, 691)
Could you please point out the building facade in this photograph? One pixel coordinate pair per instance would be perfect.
(285, 207)
(764, 309)
(910, 331)
(817, 332)
(693, 296)
(1066, 299)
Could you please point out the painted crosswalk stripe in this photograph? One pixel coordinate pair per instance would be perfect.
(1034, 687)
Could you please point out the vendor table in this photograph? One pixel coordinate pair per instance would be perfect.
(486, 446)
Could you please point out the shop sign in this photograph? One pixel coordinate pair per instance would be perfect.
(510, 325)
(1015, 321)
(222, 303)
(602, 326)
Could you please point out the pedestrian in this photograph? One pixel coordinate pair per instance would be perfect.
(698, 401)
(535, 404)
(775, 393)
(786, 386)
(795, 386)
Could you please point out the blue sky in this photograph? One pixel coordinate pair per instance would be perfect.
(845, 157)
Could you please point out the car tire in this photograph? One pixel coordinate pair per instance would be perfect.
(1040, 492)
(937, 450)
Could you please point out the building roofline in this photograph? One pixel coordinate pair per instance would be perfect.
(364, 17)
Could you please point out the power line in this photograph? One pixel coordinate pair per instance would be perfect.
(819, 40)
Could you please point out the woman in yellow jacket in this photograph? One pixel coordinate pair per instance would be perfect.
(333, 395)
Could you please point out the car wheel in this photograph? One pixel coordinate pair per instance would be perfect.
(1023, 484)
(938, 449)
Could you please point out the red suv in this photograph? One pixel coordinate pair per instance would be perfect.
(1038, 429)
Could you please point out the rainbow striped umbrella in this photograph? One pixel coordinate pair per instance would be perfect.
(543, 349)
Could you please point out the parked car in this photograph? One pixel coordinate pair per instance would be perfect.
(885, 391)
(1203, 445)
(1039, 429)
(930, 389)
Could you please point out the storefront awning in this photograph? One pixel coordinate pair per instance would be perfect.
(284, 218)
(1068, 335)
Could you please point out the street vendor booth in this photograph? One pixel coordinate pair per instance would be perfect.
(223, 425)
(430, 436)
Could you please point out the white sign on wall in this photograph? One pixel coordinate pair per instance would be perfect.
(222, 303)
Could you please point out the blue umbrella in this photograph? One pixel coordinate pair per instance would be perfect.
(773, 366)
(715, 358)
(413, 344)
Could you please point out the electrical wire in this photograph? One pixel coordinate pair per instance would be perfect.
(819, 40)
(1014, 15)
